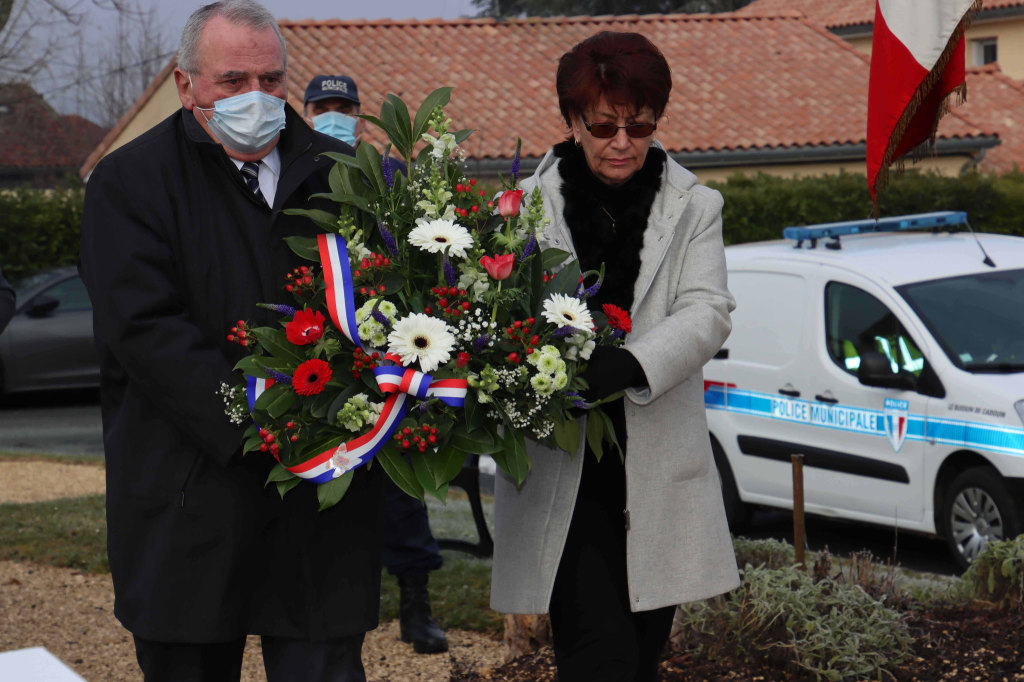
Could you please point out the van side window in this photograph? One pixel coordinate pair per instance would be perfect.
(857, 322)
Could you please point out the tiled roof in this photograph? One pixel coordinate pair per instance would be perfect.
(840, 13)
(738, 82)
(37, 137)
(994, 100)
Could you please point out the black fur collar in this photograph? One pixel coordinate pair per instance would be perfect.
(608, 223)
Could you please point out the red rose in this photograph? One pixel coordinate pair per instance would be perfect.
(311, 377)
(509, 202)
(306, 327)
(617, 317)
(462, 360)
(499, 267)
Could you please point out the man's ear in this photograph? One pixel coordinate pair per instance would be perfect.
(360, 126)
(181, 81)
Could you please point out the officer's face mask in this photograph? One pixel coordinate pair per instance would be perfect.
(248, 122)
(338, 125)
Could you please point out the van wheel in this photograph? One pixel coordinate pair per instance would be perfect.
(737, 512)
(977, 510)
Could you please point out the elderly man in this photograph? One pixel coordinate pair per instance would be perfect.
(182, 235)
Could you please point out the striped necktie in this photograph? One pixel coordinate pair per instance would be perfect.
(251, 174)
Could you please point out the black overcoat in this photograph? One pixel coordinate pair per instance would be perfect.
(175, 249)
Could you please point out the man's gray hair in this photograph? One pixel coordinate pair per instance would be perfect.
(239, 12)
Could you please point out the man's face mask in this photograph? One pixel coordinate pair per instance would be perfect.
(248, 122)
(338, 125)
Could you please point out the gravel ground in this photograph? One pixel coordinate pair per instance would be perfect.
(71, 613)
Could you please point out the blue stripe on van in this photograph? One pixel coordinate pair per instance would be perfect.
(958, 433)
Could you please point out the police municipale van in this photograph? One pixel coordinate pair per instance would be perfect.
(890, 354)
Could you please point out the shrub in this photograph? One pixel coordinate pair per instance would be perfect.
(39, 229)
(768, 553)
(996, 575)
(784, 618)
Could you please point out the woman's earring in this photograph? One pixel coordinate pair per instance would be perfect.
(576, 140)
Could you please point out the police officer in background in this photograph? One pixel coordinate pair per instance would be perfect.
(331, 106)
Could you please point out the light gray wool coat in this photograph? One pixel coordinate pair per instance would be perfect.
(678, 547)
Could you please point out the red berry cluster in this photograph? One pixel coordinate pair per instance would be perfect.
(519, 333)
(239, 334)
(363, 360)
(371, 271)
(300, 281)
(421, 440)
(450, 300)
(270, 443)
(466, 193)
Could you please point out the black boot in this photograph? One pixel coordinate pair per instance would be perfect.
(417, 624)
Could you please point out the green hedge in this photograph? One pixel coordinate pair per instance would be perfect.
(758, 207)
(39, 229)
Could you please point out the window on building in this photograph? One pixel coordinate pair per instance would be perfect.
(984, 51)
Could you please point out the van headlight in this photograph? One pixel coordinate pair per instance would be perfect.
(1019, 406)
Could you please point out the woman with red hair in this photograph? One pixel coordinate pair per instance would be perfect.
(610, 547)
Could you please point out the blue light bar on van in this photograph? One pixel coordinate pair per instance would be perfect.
(917, 221)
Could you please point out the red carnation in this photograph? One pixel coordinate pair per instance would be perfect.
(306, 327)
(311, 377)
(617, 317)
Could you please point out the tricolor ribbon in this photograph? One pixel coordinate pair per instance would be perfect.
(338, 276)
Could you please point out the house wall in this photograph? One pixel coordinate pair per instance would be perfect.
(1008, 32)
(162, 104)
(944, 165)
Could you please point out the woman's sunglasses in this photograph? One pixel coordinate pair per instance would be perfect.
(605, 130)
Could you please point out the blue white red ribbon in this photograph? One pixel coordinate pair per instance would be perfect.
(338, 276)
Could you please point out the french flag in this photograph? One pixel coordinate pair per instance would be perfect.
(917, 63)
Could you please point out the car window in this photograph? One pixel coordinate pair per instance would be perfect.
(857, 322)
(71, 293)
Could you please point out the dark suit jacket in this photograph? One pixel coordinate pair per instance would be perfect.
(175, 249)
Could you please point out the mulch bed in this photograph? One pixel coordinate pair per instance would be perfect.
(952, 643)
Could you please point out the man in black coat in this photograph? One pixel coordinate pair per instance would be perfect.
(180, 240)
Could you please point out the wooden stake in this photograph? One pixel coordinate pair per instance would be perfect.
(798, 507)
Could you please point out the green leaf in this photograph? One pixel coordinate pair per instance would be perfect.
(279, 473)
(275, 401)
(249, 365)
(369, 163)
(306, 247)
(429, 476)
(397, 117)
(513, 459)
(284, 486)
(552, 258)
(441, 96)
(567, 435)
(463, 135)
(330, 493)
(475, 441)
(595, 435)
(565, 281)
(400, 472)
(327, 439)
(252, 444)
(276, 342)
(349, 199)
(343, 159)
(608, 429)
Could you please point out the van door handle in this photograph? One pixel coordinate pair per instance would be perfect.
(826, 399)
(789, 392)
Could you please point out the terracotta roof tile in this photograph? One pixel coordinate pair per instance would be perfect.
(37, 137)
(996, 101)
(739, 82)
(840, 13)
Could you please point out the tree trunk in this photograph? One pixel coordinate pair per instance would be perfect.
(525, 634)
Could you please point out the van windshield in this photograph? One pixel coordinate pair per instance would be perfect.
(976, 319)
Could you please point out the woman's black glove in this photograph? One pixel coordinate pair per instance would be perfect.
(609, 370)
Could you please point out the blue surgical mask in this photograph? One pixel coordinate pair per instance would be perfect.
(248, 122)
(336, 124)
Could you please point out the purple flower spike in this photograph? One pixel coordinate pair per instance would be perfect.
(590, 291)
(563, 331)
(279, 308)
(618, 334)
(381, 317)
(389, 175)
(278, 377)
(531, 245)
(389, 239)
(515, 162)
(480, 342)
(449, 272)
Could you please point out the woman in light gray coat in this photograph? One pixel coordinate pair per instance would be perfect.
(610, 548)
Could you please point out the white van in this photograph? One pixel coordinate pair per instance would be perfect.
(893, 361)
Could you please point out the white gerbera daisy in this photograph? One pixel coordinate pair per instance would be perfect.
(419, 337)
(442, 236)
(568, 311)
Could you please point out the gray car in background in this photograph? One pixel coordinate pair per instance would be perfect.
(48, 343)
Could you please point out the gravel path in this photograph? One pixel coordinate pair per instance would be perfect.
(71, 613)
